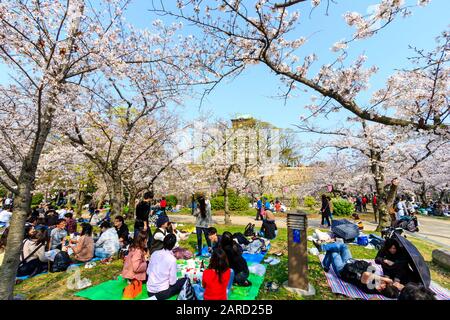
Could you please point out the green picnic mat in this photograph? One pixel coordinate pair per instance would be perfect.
(113, 289)
(247, 293)
(109, 290)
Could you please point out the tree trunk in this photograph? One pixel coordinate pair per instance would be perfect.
(116, 197)
(225, 203)
(375, 212)
(131, 205)
(80, 202)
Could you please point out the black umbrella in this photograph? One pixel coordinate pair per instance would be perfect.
(418, 263)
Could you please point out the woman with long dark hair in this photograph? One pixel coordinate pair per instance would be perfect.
(217, 277)
(32, 259)
(203, 214)
(83, 248)
(394, 261)
(325, 211)
(235, 259)
(135, 265)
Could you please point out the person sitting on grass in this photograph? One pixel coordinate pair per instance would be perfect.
(269, 228)
(3, 240)
(414, 291)
(122, 231)
(71, 223)
(83, 248)
(356, 272)
(235, 259)
(217, 279)
(158, 237)
(58, 235)
(162, 279)
(51, 218)
(214, 238)
(178, 252)
(135, 263)
(32, 259)
(394, 262)
(108, 243)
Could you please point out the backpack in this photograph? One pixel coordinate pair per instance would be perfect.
(353, 270)
(249, 230)
(62, 262)
(187, 292)
(241, 238)
(132, 290)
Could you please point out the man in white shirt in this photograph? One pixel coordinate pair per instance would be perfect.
(162, 272)
(5, 216)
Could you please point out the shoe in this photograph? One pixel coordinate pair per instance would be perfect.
(247, 283)
(318, 245)
(326, 269)
(275, 261)
(268, 260)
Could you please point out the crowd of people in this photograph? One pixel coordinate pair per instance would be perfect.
(150, 256)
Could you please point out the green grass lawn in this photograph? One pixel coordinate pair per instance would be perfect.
(53, 285)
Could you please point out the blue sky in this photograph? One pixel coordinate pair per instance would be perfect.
(253, 91)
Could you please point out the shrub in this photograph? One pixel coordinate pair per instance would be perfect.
(235, 203)
(37, 199)
(342, 207)
(269, 196)
(217, 203)
(310, 202)
(172, 200)
(238, 203)
(294, 202)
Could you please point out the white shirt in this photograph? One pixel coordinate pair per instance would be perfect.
(61, 213)
(109, 240)
(161, 271)
(5, 216)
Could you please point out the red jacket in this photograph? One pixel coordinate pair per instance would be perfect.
(215, 290)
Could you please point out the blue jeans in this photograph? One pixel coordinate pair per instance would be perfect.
(199, 232)
(337, 255)
(101, 253)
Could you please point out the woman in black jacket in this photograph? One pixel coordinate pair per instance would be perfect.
(235, 259)
(325, 210)
(394, 262)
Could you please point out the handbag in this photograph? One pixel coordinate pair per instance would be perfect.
(132, 290)
(187, 292)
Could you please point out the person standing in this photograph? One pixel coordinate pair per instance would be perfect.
(163, 204)
(202, 224)
(325, 211)
(143, 211)
(259, 205)
(364, 203)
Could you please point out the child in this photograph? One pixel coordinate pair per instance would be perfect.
(135, 265)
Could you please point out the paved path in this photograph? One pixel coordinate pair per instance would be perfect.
(433, 230)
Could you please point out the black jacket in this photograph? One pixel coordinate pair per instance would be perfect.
(123, 233)
(235, 259)
(142, 213)
(268, 228)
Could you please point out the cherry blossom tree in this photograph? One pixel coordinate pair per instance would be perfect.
(267, 32)
(56, 51)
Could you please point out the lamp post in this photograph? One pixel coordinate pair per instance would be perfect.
(297, 223)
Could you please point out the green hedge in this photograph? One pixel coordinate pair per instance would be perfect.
(342, 207)
(172, 200)
(310, 202)
(37, 199)
(235, 203)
